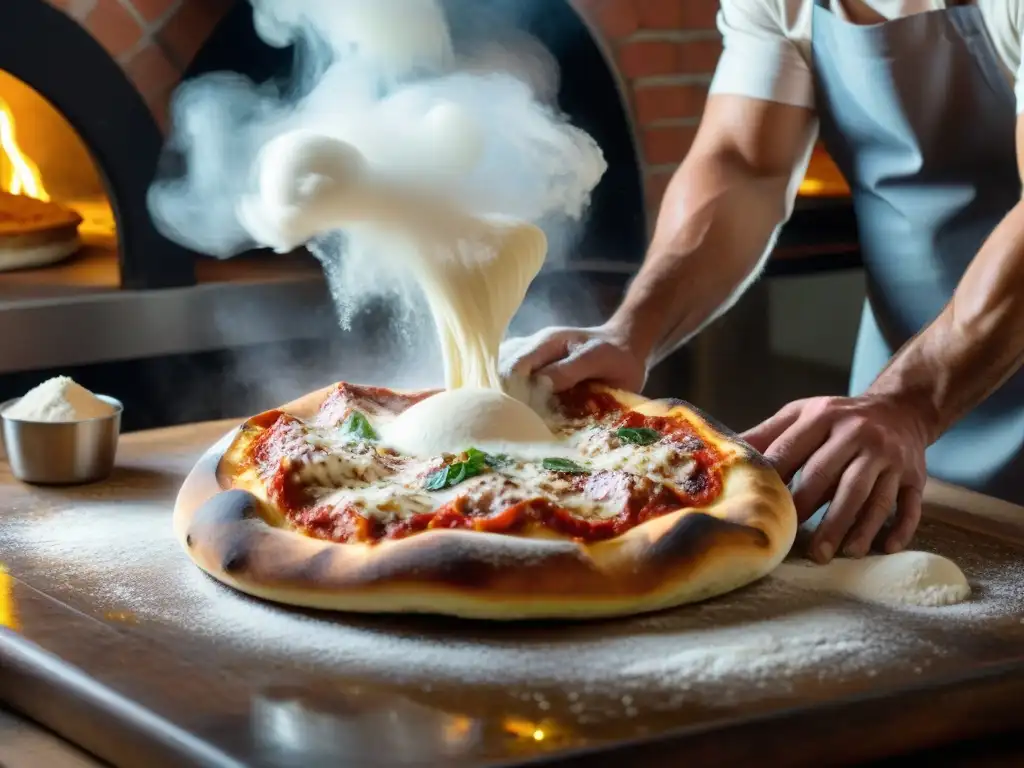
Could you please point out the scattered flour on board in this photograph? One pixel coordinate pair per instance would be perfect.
(769, 636)
(58, 399)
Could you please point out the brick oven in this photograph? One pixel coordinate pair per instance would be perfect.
(86, 85)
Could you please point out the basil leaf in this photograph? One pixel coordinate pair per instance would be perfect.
(563, 465)
(498, 461)
(638, 435)
(357, 424)
(476, 458)
(437, 480)
(458, 471)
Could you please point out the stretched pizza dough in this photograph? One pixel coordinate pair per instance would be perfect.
(474, 296)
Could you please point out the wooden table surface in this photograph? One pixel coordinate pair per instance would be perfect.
(25, 745)
(172, 664)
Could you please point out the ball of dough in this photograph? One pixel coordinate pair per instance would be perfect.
(457, 419)
(905, 578)
(910, 578)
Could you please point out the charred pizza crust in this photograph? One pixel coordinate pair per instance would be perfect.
(681, 557)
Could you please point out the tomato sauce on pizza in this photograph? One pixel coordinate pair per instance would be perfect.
(611, 469)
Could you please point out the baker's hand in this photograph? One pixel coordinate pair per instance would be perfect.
(568, 356)
(864, 455)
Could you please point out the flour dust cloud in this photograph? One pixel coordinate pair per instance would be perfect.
(468, 124)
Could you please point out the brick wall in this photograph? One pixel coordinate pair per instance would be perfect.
(665, 50)
(152, 40)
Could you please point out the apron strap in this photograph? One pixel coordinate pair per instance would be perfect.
(827, 5)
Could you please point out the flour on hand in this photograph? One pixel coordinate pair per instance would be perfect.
(59, 399)
(905, 578)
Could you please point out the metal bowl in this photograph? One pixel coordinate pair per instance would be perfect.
(62, 452)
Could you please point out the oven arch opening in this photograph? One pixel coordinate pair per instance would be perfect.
(52, 54)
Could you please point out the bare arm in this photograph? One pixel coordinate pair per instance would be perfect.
(976, 342)
(720, 212)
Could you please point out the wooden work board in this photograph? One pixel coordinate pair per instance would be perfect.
(117, 642)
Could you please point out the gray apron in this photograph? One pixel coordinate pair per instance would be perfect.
(921, 119)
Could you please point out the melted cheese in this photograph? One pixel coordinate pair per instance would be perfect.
(356, 474)
(384, 502)
(338, 469)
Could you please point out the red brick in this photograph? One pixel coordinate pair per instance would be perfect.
(649, 58)
(661, 14)
(113, 26)
(186, 31)
(668, 144)
(666, 102)
(617, 18)
(656, 184)
(699, 14)
(151, 10)
(701, 55)
(151, 71)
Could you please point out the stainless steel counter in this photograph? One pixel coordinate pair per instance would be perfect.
(77, 314)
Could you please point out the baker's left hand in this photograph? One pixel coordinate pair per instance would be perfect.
(864, 455)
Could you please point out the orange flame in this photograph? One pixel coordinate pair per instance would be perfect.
(8, 618)
(18, 174)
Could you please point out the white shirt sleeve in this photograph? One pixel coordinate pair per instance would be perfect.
(1019, 82)
(759, 60)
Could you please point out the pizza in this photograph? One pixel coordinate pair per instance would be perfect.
(635, 505)
(35, 232)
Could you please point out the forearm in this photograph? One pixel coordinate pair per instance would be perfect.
(714, 228)
(974, 345)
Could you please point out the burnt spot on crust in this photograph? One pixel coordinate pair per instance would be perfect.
(440, 560)
(227, 507)
(696, 534)
(751, 454)
(237, 559)
(216, 524)
(315, 569)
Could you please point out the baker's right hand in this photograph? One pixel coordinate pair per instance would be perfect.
(567, 356)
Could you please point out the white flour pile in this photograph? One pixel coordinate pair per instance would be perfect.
(59, 399)
(761, 641)
(906, 578)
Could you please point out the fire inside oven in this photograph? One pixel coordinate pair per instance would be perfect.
(823, 178)
(43, 158)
